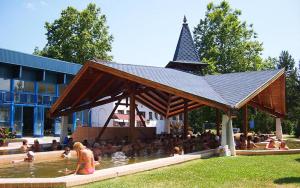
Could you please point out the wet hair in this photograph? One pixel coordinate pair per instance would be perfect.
(25, 142)
(78, 146)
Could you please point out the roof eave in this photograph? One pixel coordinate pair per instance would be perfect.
(258, 90)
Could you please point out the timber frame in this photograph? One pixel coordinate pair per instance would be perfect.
(98, 84)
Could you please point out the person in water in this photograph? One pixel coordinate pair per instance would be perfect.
(271, 145)
(85, 164)
(67, 153)
(283, 146)
(29, 158)
(36, 147)
(24, 148)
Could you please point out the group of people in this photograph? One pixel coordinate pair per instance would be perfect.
(250, 143)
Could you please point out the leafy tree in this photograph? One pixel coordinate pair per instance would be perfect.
(225, 43)
(78, 36)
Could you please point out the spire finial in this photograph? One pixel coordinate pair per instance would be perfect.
(184, 20)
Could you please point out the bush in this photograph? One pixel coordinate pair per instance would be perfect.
(5, 133)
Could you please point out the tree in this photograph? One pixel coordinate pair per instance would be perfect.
(78, 36)
(225, 43)
(228, 45)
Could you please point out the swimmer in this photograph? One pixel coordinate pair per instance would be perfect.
(24, 148)
(28, 158)
(67, 153)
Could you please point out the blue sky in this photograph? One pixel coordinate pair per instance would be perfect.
(146, 32)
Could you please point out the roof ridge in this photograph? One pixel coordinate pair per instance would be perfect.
(242, 72)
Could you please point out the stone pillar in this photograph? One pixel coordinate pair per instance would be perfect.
(227, 134)
(64, 129)
(278, 128)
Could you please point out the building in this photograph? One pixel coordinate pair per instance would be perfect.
(29, 85)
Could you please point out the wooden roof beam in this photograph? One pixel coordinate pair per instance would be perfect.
(265, 109)
(150, 106)
(189, 108)
(153, 101)
(85, 92)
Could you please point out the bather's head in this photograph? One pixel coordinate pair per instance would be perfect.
(78, 146)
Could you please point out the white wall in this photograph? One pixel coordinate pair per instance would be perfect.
(101, 113)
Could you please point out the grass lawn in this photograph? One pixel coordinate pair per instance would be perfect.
(241, 171)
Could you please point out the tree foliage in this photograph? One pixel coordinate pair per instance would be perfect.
(78, 36)
(229, 45)
(226, 43)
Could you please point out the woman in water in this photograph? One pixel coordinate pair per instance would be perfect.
(85, 164)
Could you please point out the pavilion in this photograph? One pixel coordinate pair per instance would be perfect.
(175, 89)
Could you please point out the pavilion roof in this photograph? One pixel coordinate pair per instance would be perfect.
(166, 90)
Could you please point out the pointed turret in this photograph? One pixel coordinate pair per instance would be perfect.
(186, 57)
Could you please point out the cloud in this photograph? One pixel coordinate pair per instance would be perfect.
(30, 6)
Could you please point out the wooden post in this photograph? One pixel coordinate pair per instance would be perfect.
(218, 121)
(132, 116)
(185, 120)
(140, 115)
(108, 119)
(245, 120)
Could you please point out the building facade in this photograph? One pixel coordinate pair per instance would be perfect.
(29, 85)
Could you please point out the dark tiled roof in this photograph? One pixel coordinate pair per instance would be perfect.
(234, 87)
(185, 50)
(38, 62)
(227, 89)
(189, 83)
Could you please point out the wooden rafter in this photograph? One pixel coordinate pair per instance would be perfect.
(192, 107)
(153, 101)
(266, 109)
(108, 119)
(85, 92)
(140, 115)
(157, 97)
(102, 90)
(182, 106)
(150, 106)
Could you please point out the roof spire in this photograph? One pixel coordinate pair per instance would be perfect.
(186, 56)
(184, 20)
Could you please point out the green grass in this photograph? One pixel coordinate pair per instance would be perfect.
(241, 171)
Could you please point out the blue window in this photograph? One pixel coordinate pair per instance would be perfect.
(24, 86)
(4, 116)
(5, 84)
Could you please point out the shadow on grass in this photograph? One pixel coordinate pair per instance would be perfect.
(298, 160)
(287, 180)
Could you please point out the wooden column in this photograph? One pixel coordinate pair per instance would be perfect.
(245, 120)
(132, 117)
(185, 120)
(108, 119)
(218, 121)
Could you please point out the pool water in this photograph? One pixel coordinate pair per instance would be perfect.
(60, 167)
(10, 151)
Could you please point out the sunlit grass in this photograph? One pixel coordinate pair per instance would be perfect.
(241, 171)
